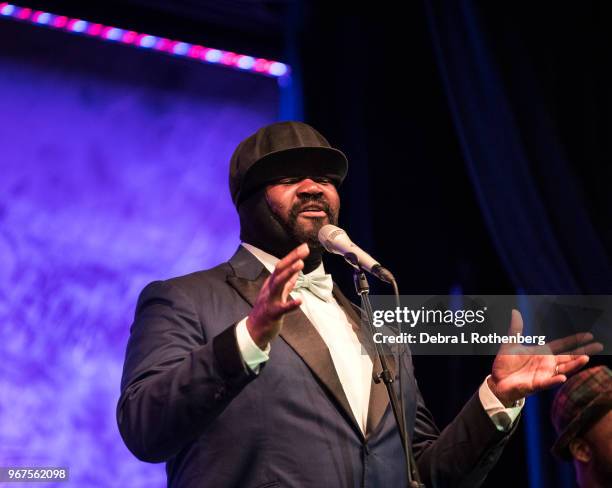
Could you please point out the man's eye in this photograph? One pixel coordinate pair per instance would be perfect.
(292, 181)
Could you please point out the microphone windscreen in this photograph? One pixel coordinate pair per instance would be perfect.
(327, 234)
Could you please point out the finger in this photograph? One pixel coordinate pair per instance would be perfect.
(564, 358)
(288, 288)
(579, 352)
(569, 342)
(572, 365)
(281, 309)
(552, 381)
(516, 323)
(588, 349)
(299, 252)
(279, 281)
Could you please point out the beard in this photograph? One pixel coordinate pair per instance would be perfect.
(262, 227)
(307, 233)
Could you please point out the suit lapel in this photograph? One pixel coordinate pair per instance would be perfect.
(379, 399)
(304, 339)
(298, 332)
(249, 289)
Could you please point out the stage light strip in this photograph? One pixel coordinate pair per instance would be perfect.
(146, 41)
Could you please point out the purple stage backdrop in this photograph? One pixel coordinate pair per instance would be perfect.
(113, 173)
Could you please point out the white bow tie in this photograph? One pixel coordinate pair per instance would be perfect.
(319, 285)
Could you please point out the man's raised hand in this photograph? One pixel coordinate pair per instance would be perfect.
(273, 302)
(519, 371)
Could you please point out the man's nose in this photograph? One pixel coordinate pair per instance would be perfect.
(309, 187)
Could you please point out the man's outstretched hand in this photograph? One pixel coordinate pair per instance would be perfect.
(519, 371)
(273, 302)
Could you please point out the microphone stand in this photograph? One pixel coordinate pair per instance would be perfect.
(363, 289)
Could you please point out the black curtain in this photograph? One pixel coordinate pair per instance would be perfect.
(478, 141)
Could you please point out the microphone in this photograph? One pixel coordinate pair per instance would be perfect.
(336, 241)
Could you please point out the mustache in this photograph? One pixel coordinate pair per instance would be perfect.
(313, 201)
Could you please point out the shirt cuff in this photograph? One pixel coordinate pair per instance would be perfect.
(502, 417)
(250, 352)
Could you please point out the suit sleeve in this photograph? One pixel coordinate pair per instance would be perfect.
(175, 380)
(464, 452)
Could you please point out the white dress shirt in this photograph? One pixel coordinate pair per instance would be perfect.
(354, 368)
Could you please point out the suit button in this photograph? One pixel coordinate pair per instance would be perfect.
(366, 450)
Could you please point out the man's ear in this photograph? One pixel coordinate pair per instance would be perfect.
(580, 449)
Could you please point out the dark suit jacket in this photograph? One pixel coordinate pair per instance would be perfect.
(188, 399)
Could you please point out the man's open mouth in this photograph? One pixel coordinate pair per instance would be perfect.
(313, 211)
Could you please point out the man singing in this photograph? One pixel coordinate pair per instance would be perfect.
(251, 374)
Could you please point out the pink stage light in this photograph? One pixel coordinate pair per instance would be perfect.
(95, 29)
(261, 65)
(164, 45)
(59, 21)
(203, 54)
(195, 52)
(129, 37)
(24, 13)
(229, 59)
